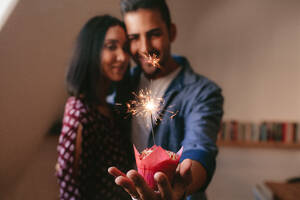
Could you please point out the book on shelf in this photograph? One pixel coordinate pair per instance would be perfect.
(266, 131)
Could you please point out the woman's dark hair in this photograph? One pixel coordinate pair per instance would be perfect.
(84, 70)
(160, 5)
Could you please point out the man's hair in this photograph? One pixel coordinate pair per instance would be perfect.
(160, 5)
(84, 70)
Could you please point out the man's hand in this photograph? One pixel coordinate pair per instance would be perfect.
(134, 184)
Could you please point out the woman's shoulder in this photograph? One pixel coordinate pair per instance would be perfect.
(75, 106)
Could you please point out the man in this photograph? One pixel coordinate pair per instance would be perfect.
(198, 101)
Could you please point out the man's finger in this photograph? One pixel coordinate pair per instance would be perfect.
(183, 178)
(163, 185)
(144, 191)
(115, 172)
(127, 185)
(123, 181)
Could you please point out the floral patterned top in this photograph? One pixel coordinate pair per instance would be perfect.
(102, 146)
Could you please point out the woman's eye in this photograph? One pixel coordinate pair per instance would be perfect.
(111, 47)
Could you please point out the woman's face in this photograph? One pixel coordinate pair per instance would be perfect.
(114, 56)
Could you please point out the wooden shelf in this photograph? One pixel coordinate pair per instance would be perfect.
(284, 191)
(244, 144)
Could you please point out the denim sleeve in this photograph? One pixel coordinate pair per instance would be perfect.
(202, 123)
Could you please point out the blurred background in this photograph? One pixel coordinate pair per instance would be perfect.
(250, 48)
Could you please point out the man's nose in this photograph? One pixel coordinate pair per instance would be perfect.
(145, 45)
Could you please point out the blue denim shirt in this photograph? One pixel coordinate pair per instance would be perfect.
(199, 106)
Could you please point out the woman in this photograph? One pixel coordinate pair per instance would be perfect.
(90, 142)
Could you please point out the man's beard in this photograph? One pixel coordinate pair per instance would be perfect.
(153, 74)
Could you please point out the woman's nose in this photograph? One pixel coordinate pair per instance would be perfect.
(122, 55)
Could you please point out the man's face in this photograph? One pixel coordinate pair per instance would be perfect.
(148, 33)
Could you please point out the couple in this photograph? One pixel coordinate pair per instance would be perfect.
(94, 138)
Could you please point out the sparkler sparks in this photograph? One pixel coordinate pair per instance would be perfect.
(152, 59)
(146, 105)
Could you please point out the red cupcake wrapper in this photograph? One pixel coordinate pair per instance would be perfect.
(158, 161)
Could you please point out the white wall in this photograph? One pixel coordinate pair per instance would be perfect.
(239, 170)
(251, 48)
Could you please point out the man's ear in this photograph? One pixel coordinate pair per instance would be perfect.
(173, 32)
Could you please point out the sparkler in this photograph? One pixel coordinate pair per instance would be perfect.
(145, 104)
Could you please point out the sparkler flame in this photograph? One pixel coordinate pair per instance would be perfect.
(145, 105)
(150, 105)
(151, 59)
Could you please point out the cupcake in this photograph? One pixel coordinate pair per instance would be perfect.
(156, 159)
